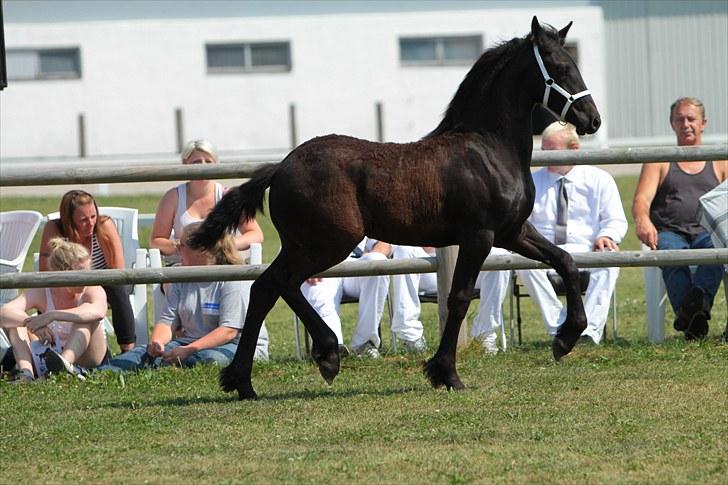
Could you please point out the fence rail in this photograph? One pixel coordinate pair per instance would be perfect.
(355, 268)
(231, 170)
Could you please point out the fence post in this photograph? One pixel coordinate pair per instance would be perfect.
(81, 136)
(380, 123)
(292, 124)
(446, 258)
(179, 129)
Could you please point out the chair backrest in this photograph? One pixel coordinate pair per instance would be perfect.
(127, 225)
(126, 220)
(17, 229)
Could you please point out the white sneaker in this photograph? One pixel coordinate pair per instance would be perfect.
(57, 364)
(418, 346)
(489, 341)
(367, 349)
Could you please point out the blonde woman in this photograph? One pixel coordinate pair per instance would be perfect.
(201, 322)
(81, 223)
(67, 334)
(191, 202)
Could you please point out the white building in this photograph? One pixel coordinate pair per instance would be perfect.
(235, 78)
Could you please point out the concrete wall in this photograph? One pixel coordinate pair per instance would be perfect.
(136, 72)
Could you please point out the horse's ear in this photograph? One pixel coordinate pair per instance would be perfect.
(564, 31)
(536, 28)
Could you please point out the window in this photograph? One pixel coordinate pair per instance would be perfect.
(248, 57)
(28, 64)
(440, 51)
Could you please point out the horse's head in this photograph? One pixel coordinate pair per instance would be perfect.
(563, 89)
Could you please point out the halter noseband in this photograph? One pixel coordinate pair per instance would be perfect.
(551, 83)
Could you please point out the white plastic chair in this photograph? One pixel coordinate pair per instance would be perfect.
(17, 230)
(126, 220)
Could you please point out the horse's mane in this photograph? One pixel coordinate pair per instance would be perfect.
(470, 100)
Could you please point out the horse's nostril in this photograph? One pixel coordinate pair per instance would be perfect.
(596, 123)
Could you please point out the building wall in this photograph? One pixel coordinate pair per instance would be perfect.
(658, 51)
(136, 72)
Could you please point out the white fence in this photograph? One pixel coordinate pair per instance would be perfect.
(89, 175)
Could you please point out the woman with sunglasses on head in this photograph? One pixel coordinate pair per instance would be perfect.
(67, 334)
(81, 223)
(191, 202)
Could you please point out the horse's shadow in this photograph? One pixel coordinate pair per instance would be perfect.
(272, 397)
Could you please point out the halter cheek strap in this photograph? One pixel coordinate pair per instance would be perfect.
(551, 84)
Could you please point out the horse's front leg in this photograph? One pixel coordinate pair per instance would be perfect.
(236, 376)
(441, 369)
(531, 244)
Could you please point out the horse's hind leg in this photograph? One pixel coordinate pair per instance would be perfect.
(325, 349)
(263, 295)
(441, 369)
(531, 244)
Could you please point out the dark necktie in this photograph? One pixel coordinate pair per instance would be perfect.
(562, 213)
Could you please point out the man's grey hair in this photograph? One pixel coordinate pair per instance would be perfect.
(687, 100)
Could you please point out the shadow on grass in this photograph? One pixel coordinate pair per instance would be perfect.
(232, 397)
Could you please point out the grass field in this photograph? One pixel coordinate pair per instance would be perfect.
(623, 412)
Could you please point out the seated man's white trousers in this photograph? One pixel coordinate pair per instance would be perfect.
(406, 322)
(493, 287)
(325, 297)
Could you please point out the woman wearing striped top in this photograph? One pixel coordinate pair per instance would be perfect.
(81, 223)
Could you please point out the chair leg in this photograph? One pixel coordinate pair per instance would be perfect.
(390, 312)
(614, 315)
(297, 337)
(518, 314)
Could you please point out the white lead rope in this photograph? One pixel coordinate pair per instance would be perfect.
(551, 83)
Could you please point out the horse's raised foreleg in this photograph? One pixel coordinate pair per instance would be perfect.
(441, 369)
(263, 295)
(531, 244)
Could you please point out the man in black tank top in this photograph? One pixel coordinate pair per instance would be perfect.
(664, 209)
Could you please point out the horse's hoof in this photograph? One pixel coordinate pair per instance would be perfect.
(230, 381)
(247, 394)
(560, 348)
(329, 366)
(441, 374)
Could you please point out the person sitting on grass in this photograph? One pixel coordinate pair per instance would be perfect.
(67, 335)
(200, 322)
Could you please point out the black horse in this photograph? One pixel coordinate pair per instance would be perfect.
(467, 183)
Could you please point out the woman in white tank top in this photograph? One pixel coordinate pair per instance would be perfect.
(67, 334)
(191, 202)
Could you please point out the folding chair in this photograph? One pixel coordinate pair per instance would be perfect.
(17, 230)
(560, 289)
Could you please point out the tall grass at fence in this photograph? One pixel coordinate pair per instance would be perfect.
(626, 411)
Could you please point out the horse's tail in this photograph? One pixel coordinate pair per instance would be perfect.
(243, 201)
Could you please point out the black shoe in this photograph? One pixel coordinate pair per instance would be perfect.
(693, 315)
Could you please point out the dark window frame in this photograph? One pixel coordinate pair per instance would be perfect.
(440, 45)
(247, 54)
(39, 74)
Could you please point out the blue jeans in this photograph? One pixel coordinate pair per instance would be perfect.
(138, 358)
(678, 279)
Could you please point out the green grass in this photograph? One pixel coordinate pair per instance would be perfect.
(623, 412)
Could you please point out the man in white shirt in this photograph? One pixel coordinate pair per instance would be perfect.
(592, 219)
